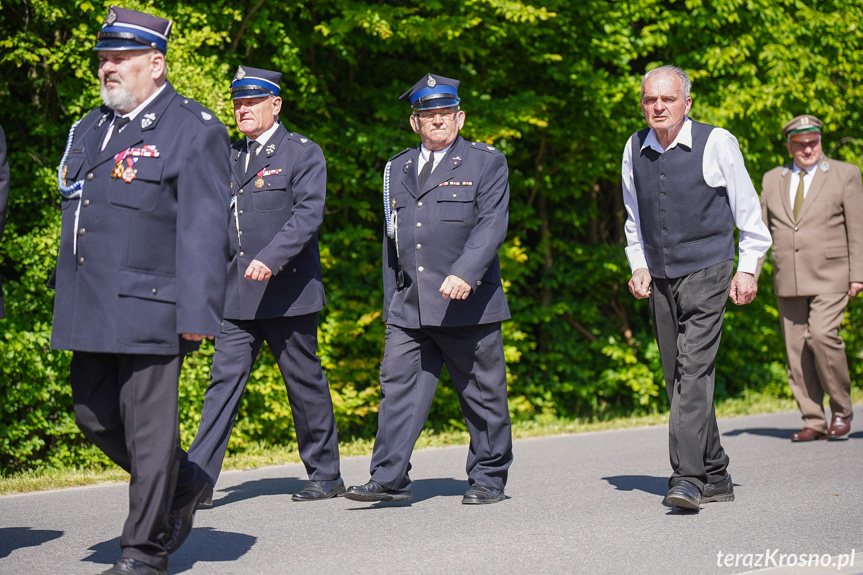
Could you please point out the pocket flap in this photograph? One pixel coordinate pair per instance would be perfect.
(146, 285)
(277, 182)
(149, 169)
(840, 252)
(456, 194)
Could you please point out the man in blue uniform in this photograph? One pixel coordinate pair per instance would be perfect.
(140, 276)
(446, 204)
(275, 289)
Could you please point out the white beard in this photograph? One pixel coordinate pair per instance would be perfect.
(118, 98)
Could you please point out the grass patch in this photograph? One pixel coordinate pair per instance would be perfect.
(260, 455)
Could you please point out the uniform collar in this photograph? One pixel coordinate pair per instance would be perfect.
(265, 137)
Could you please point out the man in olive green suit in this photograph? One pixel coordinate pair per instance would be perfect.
(813, 207)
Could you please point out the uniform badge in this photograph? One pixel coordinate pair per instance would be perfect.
(103, 118)
(63, 176)
(117, 172)
(259, 183)
(240, 74)
(129, 172)
(206, 116)
(148, 120)
(394, 203)
(431, 83)
(407, 166)
(111, 17)
(784, 171)
(825, 166)
(271, 149)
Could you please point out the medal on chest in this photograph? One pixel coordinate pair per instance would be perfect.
(124, 169)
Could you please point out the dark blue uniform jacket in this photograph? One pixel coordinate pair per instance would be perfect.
(279, 208)
(150, 258)
(454, 225)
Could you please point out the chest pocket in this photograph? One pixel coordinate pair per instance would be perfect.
(273, 194)
(142, 193)
(456, 203)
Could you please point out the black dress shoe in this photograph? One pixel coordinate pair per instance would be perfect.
(129, 566)
(477, 495)
(684, 495)
(718, 492)
(316, 490)
(181, 518)
(374, 491)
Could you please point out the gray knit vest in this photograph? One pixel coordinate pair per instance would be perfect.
(686, 225)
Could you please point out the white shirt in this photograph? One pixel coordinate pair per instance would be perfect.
(262, 140)
(807, 176)
(131, 115)
(722, 167)
(424, 157)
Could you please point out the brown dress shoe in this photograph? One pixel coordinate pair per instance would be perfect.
(839, 426)
(807, 434)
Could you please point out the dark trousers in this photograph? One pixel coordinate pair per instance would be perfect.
(410, 370)
(127, 406)
(294, 343)
(687, 317)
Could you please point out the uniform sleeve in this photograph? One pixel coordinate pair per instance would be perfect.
(487, 237)
(203, 199)
(632, 228)
(853, 206)
(724, 166)
(309, 185)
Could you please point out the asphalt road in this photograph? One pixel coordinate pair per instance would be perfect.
(587, 503)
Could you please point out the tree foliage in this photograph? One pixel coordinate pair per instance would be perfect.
(553, 84)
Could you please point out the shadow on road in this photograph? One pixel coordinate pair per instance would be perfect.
(763, 431)
(257, 488)
(12, 538)
(646, 483)
(204, 544)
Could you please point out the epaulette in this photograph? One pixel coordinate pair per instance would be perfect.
(197, 110)
(299, 138)
(399, 154)
(484, 147)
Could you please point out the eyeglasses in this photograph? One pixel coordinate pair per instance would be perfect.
(429, 115)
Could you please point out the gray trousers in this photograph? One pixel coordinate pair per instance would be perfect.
(127, 406)
(410, 370)
(687, 317)
(294, 343)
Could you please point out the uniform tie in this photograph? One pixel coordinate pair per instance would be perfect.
(798, 198)
(427, 170)
(119, 122)
(253, 147)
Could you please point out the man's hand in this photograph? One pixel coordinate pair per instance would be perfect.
(743, 288)
(258, 271)
(454, 288)
(195, 337)
(854, 288)
(639, 283)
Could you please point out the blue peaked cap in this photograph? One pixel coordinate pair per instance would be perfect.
(432, 92)
(132, 30)
(254, 83)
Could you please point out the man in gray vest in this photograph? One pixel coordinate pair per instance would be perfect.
(685, 188)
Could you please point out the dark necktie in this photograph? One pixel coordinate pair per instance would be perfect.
(253, 147)
(798, 198)
(119, 122)
(427, 170)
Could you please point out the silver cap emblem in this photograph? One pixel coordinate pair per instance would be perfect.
(431, 83)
